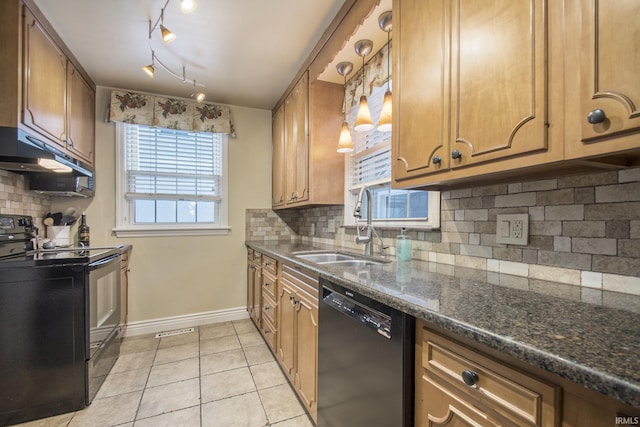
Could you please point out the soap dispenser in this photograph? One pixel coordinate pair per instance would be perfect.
(403, 246)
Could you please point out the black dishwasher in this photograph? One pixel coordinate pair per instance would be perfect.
(365, 361)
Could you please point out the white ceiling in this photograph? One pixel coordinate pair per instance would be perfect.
(245, 52)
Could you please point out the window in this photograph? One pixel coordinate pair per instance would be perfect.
(370, 165)
(170, 182)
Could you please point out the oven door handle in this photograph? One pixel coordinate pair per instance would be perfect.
(104, 261)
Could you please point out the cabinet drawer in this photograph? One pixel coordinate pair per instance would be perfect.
(495, 387)
(300, 280)
(269, 264)
(269, 309)
(269, 284)
(269, 333)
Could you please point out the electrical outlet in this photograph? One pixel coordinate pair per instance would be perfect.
(512, 229)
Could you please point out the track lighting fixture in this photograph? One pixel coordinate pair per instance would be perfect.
(364, 122)
(345, 144)
(384, 123)
(167, 37)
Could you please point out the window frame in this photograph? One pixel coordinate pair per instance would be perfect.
(430, 222)
(124, 207)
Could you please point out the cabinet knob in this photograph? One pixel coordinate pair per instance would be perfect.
(456, 154)
(436, 160)
(267, 284)
(470, 378)
(596, 116)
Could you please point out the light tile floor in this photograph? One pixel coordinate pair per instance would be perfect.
(220, 375)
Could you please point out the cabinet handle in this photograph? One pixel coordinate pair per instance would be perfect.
(267, 308)
(470, 378)
(596, 116)
(267, 284)
(436, 160)
(456, 154)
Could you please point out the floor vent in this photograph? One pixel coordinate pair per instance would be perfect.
(172, 333)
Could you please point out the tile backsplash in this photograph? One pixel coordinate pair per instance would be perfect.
(16, 199)
(583, 229)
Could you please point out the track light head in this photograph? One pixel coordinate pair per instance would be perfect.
(149, 70)
(167, 35)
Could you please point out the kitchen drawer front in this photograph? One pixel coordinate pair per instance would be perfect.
(269, 264)
(300, 280)
(269, 282)
(518, 398)
(269, 308)
(268, 332)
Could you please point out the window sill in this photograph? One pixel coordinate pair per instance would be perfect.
(170, 231)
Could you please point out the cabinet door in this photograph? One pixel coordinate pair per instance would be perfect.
(498, 79)
(286, 327)
(297, 142)
(420, 98)
(44, 89)
(81, 116)
(443, 408)
(278, 162)
(609, 72)
(306, 378)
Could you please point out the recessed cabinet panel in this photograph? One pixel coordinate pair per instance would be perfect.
(420, 60)
(45, 75)
(610, 69)
(499, 78)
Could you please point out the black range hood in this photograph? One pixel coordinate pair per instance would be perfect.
(22, 153)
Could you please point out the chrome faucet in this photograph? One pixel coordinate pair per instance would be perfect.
(368, 239)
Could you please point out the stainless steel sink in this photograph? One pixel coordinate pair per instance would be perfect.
(337, 258)
(353, 263)
(325, 257)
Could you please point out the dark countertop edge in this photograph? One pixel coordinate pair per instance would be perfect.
(601, 382)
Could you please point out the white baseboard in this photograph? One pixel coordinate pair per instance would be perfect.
(153, 326)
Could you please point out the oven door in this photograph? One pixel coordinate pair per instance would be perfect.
(104, 321)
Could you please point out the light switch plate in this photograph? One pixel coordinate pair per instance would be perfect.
(512, 229)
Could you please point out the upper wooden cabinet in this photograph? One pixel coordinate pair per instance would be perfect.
(46, 92)
(81, 115)
(306, 127)
(44, 83)
(604, 41)
(296, 125)
(472, 88)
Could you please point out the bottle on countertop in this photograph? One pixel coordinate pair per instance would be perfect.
(83, 232)
(403, 246)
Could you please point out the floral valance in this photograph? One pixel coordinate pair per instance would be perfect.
(376, 74)
(172, 113)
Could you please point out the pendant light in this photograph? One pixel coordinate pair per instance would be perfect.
(150, 69)
(384, 124)
(364, 122)
(345, 144)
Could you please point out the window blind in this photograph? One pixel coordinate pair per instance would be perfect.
(168, 164)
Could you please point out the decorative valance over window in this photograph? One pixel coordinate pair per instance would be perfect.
(376, 74)
(171, 113)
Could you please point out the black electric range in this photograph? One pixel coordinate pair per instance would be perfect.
(59, 323)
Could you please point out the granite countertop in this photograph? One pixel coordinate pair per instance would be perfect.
(588, 336)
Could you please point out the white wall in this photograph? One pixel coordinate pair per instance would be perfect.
(174, 276)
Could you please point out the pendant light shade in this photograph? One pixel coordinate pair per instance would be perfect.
(345, 143)
(384, 124)
(149, 70)
(364, 122)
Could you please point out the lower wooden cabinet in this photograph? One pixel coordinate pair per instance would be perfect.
(297, 339)
(254, 279)
(124, 288)
(457, 386)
